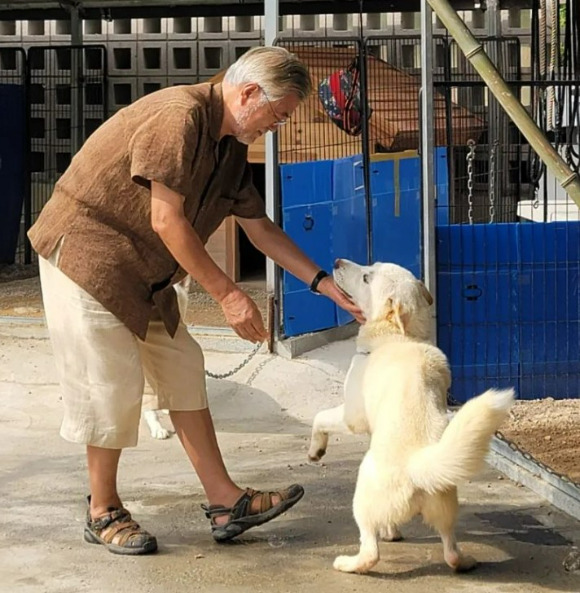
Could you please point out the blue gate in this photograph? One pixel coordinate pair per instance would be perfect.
(509, 307)
(508, 297)
(323, 210)
(323, 207)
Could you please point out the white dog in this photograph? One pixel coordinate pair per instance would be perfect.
(150, 414)
(396, 391)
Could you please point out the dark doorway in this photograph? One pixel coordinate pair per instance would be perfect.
(252, 261)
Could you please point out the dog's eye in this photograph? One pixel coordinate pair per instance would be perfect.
(366, 278)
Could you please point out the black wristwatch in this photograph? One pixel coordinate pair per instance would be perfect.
(316, 281)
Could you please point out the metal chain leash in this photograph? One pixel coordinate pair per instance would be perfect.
(528, 456)
(514, 447)
(536, 202)
(492, 158)
(469, 158)
(257, 371)
(235, 369)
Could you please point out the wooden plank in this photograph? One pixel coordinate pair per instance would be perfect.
(232, 250)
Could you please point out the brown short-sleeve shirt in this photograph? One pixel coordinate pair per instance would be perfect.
(101, 205)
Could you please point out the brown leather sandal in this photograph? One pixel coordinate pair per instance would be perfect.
(119, 533)
(243, 517)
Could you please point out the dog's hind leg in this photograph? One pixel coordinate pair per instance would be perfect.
(390, 533)
(367, 508)
(325, 422)
(440, 511)
(367, 556)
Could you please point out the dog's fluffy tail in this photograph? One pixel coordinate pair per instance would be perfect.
(462, 449)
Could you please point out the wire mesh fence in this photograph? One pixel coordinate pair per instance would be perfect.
(484, 147)
(393, 87)
(68, 101)
(309, 134)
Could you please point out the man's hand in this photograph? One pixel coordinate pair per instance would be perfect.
(328, 287)
(169, 222)
(276, 244)
(243, 316)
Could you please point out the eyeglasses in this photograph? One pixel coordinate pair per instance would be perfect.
(280, 121)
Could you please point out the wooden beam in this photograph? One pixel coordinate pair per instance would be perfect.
(232, 249)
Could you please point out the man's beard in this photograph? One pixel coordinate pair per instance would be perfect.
(241, 121)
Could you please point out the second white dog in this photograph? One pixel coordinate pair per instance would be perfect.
(396, 391)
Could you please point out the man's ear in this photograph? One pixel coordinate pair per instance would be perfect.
(247, 90)
(425, 293)
(396, 314)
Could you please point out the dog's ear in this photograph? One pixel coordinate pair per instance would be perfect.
(396, 314)
(425, 293)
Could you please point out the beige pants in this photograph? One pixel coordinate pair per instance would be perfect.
(102, 365)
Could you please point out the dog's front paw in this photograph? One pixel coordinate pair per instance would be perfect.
(460, 563)
(465, 564)
(155, 428)
(350, 564)
(160, 433)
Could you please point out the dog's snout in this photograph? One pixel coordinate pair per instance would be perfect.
(337, 263)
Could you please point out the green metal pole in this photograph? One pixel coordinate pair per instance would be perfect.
(473, 50)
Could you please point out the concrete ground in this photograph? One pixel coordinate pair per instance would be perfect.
(263, 417)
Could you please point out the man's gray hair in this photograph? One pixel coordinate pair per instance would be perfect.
(277, 71)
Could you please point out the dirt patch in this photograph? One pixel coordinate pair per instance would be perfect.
(20, 296)
(20, 292)
(204, 311)
(549, 430)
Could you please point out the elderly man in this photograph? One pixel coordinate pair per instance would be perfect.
(126, 222)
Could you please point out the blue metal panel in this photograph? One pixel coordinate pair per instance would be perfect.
(359, 176)
(311, 229)
(382, 177)
(560, 380)
(383, 192)
(477, 246)
(12, 166)
(407, 235)
(324, 212)
(306, 312)
(549, 303)
(477, 306)
(518, 322)
(549, 243)
(470, 381)
(548, 293)
(442, 186)
(307, 218)
(349, 237)
(348, 178)
(396, 214)
(306, 183)
(469, 303)
(482, 352)
(473, 298)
